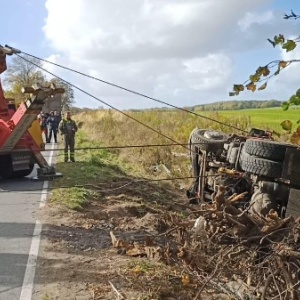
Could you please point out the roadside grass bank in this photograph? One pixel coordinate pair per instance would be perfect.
(98, 194)
(102, 193)
(112, 129)
(91, 169)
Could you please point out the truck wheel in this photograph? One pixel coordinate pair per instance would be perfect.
(6, 171)
(209, 140)
(266, 149)
(261, 166)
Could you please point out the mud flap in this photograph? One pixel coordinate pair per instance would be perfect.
(47, 173)
(21, 160)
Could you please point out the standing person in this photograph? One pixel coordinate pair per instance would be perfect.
(68, 128)
(58, 116)
(43, 123)
(52, 125)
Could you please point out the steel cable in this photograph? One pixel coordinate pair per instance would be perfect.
(105, 103)
(137, 93)
(98, 188)
(125, 146)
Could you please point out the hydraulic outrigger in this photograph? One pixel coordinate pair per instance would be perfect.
(19, 150)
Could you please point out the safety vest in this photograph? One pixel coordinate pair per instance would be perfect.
(68, 126)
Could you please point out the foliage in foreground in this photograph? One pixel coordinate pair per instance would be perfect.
(264, 73)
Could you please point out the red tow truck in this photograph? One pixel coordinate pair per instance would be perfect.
(20, 135)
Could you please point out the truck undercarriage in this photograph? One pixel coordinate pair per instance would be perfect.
(263, 170)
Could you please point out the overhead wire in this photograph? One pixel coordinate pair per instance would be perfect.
(137, 93)
(116, 109)
(98, 188)
(124, 147)
(103, 102)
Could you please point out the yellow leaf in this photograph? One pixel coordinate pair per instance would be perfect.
(254, 78)
(251, 86)
(238, 87)
(282, 64)
(185, 280)
(262, 87)
(137, 270)
(295, 138)
(286, 125)
(265, 71)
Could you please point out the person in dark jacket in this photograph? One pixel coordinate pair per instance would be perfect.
(68, 129)
(43, 123)
(52, 126)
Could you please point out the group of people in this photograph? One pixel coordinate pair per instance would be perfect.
(52, 123)
(49, 123)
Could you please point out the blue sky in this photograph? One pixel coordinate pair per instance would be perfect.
(22, 22)
(160, 52)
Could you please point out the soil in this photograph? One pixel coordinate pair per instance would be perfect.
(78, 261)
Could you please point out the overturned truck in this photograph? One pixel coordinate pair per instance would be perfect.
(267, 172)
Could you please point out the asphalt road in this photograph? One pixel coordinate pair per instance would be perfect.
(18, 207)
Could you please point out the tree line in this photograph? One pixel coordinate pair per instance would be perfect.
(237, 105)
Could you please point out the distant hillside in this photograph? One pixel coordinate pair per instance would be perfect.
(237, 105)
(216, 106)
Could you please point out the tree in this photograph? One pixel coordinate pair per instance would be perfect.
(68, 96)
(264, 73)
(22, 73)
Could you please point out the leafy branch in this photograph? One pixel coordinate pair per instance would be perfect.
(263, 73)
(292, 15)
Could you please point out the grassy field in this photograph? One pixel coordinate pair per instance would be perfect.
(269, 118)
(109, 128)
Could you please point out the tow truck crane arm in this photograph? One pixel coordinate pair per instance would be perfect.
(15, 139)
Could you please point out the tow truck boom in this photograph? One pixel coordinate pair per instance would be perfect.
(18, 150)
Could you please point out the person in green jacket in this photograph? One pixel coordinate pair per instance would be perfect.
(68, 129)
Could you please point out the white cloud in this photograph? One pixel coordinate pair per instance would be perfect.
(179, 50)
(255, 18)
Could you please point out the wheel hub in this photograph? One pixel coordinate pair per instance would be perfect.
(213, 135)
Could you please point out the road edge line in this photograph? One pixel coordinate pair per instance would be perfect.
(29, 276)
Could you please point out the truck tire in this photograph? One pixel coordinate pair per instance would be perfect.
(7, 171)
(208, 140)
(266, 149)
(261, 166)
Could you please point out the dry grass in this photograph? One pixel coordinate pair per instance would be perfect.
(111, 128)
(189, 267)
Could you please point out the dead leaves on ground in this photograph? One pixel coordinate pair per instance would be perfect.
(227, 245)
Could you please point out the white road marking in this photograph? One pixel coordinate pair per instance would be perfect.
(28, 282)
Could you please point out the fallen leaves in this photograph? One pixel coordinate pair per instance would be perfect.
(230, 247)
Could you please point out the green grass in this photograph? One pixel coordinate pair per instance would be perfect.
(74, 189)
(269, 118)
(74, 198)
(106, 128)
